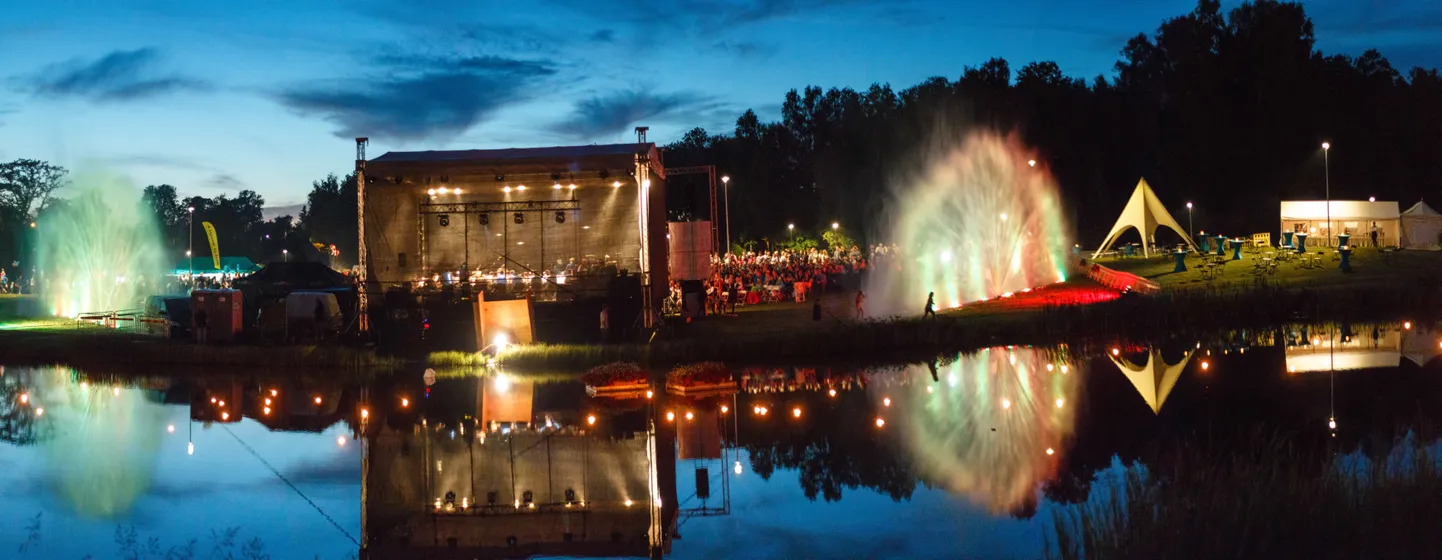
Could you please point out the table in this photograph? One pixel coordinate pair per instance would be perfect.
(1301, 242)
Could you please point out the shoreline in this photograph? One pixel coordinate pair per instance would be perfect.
(785, 332)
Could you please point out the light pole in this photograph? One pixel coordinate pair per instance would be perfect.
(190, 227)
(1189, 222)
(285, 255)
(726, 190)
(1327, 177)
(791, 232)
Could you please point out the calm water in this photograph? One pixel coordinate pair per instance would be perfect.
(967, 456)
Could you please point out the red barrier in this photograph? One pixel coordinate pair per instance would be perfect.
(1122, 281)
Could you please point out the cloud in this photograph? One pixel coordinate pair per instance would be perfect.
(418, 97)
(745, 49)
(226, 181)
(616, 111)
(118, 76)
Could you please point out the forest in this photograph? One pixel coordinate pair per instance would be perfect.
(1225, 110)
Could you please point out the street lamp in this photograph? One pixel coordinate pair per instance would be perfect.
(1189, 221)
(726, 189)
(1327, 176)
(285, 254)
(835, 226)
(190, 227)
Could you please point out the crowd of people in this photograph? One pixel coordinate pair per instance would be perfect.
(770, 276)
(16, 284)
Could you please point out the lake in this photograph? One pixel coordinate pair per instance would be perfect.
(967, 456)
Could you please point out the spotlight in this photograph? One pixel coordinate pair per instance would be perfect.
(506, 189)
(431, 192)
(556, 186)
(560, 217)
(443, 190)
(571, 186)
(485, 219)
(518, 218)
(616, 184)
(521, 188)
(445, 220)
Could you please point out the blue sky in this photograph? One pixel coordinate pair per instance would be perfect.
(214, 97)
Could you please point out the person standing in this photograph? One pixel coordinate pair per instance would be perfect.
(605, 323)
(1374, 234)
(860, 299)
(930, 306)
(201, 320)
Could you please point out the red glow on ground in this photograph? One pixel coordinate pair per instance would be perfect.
(1075, 292)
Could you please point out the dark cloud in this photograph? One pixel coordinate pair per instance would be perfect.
(617, 111)
(226, 181)
(604, 36)
(118, 76)
(745, 49)
(418, 96)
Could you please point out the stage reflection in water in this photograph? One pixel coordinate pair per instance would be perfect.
(83, 423)
(993, 425)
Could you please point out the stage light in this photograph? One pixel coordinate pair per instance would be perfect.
(670, 416)
(506, 189)
(880, 422)
(457, 190)
(443, 190)
(796, 412)
(521, 188)
(560, 217)
(556, 186)
(725, 409)
(431, 192)
(571, 186)
(690, 416)
(518, 218)
(485, 219)
(616, 184)
(445, 220)
(649, 394)
(591, 419)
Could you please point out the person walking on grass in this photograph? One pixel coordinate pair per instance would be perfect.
(860, 299)
(930, 306)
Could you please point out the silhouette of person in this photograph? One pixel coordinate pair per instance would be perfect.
(930, 306)
(1374, 234)
(860, 299)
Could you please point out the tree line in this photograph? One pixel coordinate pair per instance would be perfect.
(1226, 111)
(29, 189)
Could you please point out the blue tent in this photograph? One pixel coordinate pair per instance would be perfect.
(206, 265)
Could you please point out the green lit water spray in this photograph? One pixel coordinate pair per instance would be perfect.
(99, 250)
(993, 426)
(977, 219)
(103, 441)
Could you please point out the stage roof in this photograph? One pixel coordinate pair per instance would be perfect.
(512, 154)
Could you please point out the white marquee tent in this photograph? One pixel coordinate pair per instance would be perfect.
(1355, 217)
(1145, 212)
(1421, 227)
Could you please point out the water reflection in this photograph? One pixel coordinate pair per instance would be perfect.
(993, 425)
(85, 422)
(1154, 379)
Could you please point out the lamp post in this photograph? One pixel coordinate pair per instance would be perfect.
(1189, 221)
(726, 190)
(1327, 177)
(285, 255)
(190, 227)
(791, 232)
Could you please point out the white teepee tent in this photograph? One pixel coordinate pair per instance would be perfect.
(1145, 212)
(1155, 380)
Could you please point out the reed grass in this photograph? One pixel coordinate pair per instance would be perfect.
(1272, 504)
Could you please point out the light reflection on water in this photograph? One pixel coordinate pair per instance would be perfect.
(986, 444)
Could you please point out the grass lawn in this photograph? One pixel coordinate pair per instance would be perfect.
(1370, 268)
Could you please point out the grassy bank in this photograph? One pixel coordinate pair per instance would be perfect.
(58, 341)
(1272, 504)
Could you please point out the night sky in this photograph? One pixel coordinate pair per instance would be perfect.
(216, 97)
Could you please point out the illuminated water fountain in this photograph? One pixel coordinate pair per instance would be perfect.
(977, 220)
(101, 444)
(994, 425)
(99, 250)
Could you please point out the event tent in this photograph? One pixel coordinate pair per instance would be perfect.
(206, 265)
(1355, 217)
(1421, 227)
(1154, 380)
(1145, 212)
